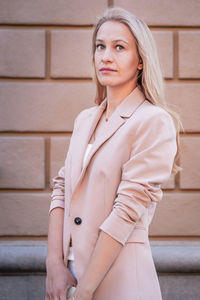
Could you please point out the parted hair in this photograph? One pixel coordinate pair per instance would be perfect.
(150, 78)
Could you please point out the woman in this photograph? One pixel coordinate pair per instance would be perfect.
(120, 152)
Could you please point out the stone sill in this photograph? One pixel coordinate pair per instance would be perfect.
(29, 257)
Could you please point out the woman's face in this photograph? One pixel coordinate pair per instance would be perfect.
(117, 62)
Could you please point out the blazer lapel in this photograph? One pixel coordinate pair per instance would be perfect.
(81, 139)
(124, 110)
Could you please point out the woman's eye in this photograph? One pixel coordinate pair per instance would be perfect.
(99, 46)
(119, 47)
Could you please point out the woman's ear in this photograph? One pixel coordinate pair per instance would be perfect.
(140, 65)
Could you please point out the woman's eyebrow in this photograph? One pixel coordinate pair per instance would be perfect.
(115, 41)
(99, 40)
(120, 40)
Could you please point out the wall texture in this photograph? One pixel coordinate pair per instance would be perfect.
(45, 81)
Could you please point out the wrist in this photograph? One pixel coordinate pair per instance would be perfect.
(82, 292)
(54, 259)
(86, 288)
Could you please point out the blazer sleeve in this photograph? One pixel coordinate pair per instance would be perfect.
(152, 156)
(58, 194)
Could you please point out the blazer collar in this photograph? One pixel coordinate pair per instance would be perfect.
(122, 112)
(127, 107)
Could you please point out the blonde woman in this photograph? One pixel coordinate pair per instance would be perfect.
(120, 152)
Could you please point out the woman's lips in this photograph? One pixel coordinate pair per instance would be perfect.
(107, 70)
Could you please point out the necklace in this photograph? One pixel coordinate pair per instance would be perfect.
(106, 117)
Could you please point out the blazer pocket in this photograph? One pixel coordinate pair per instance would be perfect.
(139, 235)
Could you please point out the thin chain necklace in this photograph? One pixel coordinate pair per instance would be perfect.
(106, 118)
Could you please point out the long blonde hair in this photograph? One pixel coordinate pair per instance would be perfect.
(150, 78)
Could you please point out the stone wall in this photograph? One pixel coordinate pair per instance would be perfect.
(46, 80)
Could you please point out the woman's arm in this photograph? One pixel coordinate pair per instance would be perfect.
(59, 279)
(54, 249)
(104, 254)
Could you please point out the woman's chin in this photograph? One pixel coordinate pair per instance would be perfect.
(107, 82)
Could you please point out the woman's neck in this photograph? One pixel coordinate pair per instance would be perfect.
(115, 96)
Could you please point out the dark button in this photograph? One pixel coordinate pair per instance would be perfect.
(77, 221)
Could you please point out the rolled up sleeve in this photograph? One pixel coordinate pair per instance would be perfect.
(58, 194)
(152, 156)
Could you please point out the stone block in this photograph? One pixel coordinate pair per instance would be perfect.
(59, 148)
(177, 286)
(22, 53)
(164, 41)
(22, 162)
(22, 287)
(189, 59)
(177, 214)
(184, 99)
(71, 53)
(190, 162)
(38, 106)
(51, 11)
(23, 258)
(181, 258)
(170, 256)
(24, 214)
(164, 13)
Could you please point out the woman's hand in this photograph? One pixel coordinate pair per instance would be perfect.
(58, 281)
(81, 294)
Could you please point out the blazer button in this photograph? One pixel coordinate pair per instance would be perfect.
(77, 221)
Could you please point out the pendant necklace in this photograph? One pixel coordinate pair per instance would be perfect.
(106, 118)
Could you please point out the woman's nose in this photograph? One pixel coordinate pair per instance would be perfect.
(107, 55)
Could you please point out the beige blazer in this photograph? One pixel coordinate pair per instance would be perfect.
(117, 191)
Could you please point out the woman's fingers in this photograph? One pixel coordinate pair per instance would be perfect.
(52, 297)
(74, 283)
(63, 296)
(59, 280)
(47, 297)
(58, 297)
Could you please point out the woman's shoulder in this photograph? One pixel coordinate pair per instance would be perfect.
(88, 111)
(151, 111)
(84, 114)
(150, 115)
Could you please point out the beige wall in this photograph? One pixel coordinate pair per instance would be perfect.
(45, 80)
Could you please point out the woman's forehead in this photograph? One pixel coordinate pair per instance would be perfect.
(113, 30)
